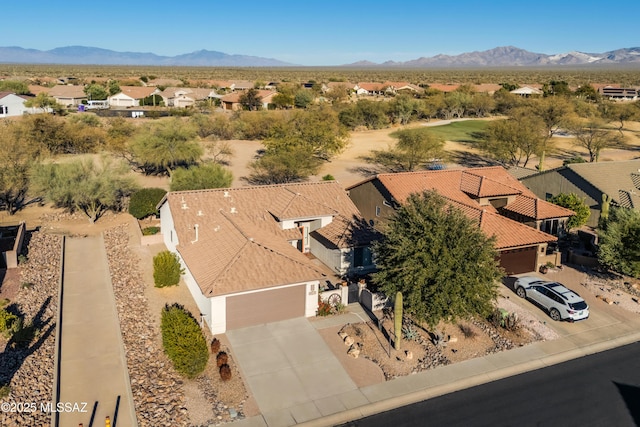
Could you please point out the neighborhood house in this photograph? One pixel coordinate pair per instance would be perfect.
(260, 254)
(523, 225)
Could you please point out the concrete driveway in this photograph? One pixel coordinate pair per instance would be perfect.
(602, 317)
(291, 372)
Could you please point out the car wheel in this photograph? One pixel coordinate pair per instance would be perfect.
(521, 292)
(555, 314)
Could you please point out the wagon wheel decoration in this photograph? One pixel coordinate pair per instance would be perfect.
(334, 300)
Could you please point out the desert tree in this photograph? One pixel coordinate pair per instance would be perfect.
(250, 100)
(514, 140)
(402, 108)
(619, 241)
(279, 167)
(554, 113)
(576, 204)
(88, 186)
(440, 260)
(593, 136)
(415, 149)
(17, 159)
(163, 146)
(199, 177)
(317, 130)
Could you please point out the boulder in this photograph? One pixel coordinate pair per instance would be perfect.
(354, 351)
(408, 354)
(348, 340)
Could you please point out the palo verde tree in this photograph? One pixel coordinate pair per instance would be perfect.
(439, 259)
(17, 159)
(619, 241)
(208, 175)
(415, 149)
(166, 145)
(87, 186)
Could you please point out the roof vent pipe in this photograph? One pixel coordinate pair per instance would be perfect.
(196, 228)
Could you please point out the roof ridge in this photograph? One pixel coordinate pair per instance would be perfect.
(253, 187)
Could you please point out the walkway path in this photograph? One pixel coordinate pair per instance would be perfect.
(93, 367)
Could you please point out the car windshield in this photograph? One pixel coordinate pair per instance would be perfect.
(578, 305)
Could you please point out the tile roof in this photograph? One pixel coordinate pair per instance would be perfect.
(462, 187)
(138, 92)
(240, 243)
(67, 91)
(610, 177)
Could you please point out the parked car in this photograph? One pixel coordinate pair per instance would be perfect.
(560, 302)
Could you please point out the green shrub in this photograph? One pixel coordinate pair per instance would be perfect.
(183, 341)
(5, 390)
(8, 322)
(328, 177)
(143, 202)
(166, 269)
(150, 231)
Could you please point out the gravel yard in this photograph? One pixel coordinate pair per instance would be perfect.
(28, 367)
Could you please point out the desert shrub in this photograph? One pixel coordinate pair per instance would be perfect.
(215, 345)
(143, 202)
(4, 302)
(166, 269)
(328, 177)
(222, 358)
(467, 330)
(150, 231)
(496, 318)
(324, 308)
(183, 341)
(26, 285)
(225, 372)
(7, 322)
(5, 390)
(512, 322)
(410, 333)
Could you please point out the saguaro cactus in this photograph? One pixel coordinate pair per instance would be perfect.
(397, 319)
(604, 210)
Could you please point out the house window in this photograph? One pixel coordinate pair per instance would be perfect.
(548, 196)
(387, 204)
(362, 257)
(4, 109)
(377, 210)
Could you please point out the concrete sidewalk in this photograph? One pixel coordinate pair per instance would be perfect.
(601, 336)
(93, 367)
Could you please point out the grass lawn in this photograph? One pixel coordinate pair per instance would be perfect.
(459, 131)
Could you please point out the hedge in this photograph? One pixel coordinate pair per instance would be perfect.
(143, 202)
(183, 340)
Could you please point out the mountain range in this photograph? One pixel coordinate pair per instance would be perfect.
(506, 56)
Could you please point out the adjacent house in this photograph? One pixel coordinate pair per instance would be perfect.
(260, 254)
(183, 97)
(619, 180)
(12, 104)
(132, 96)
(231, 101)
(68, 95)
(523, 225)
(526, 92)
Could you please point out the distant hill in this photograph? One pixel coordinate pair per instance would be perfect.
(509, 56)
(505, 56)
(82, 55)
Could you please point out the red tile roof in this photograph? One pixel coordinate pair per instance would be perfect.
(462, 188)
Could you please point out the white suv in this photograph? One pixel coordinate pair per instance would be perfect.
(561, 302)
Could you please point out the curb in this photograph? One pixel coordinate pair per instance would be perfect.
(472, 381)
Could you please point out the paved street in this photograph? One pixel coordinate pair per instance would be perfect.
(598, 390)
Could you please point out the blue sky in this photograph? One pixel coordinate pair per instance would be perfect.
(324, 32)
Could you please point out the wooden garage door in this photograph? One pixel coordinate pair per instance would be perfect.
(266, 306)
(518, 261)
